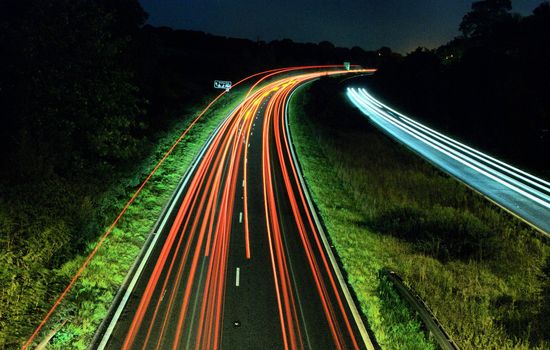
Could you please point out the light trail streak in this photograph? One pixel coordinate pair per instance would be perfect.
(287, 309)
(536, 181)
(192, 264)
(131, 200)
(529, 196)
(485, 170)
(458, 153)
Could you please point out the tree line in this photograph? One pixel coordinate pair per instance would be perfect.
(489, 86)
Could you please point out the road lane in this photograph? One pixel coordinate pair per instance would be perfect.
(522, 194)
(241, 264)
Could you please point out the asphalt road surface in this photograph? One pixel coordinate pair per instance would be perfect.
(240, 261)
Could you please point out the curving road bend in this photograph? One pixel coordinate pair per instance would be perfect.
(241, 261)
(520, 193)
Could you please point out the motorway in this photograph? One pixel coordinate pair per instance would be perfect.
(520, 193)
(241, 261)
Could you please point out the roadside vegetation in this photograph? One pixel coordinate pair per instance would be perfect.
(484, 274)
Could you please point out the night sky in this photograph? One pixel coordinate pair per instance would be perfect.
(402, 25)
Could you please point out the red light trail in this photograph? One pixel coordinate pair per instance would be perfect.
(184, 295)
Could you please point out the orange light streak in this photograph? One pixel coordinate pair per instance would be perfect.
(200, 235)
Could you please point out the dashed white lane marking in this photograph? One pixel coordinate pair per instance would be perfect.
(238, 277)
(240, 217)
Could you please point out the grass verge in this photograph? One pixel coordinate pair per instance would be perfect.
(484, 274)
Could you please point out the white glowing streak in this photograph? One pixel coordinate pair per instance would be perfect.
(467, 149)
(365, 106)
(455, 155)
(431, 142)
(381, 113)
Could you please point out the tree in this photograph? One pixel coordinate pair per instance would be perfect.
(68, 103)
(483, 17)
(67, 88)
(543, 10)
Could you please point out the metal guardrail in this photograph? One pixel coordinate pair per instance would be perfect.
(433, 325)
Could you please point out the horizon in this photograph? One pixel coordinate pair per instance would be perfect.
(368, 25)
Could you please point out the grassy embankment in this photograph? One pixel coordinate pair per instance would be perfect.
(484, 274)
(87, 304)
